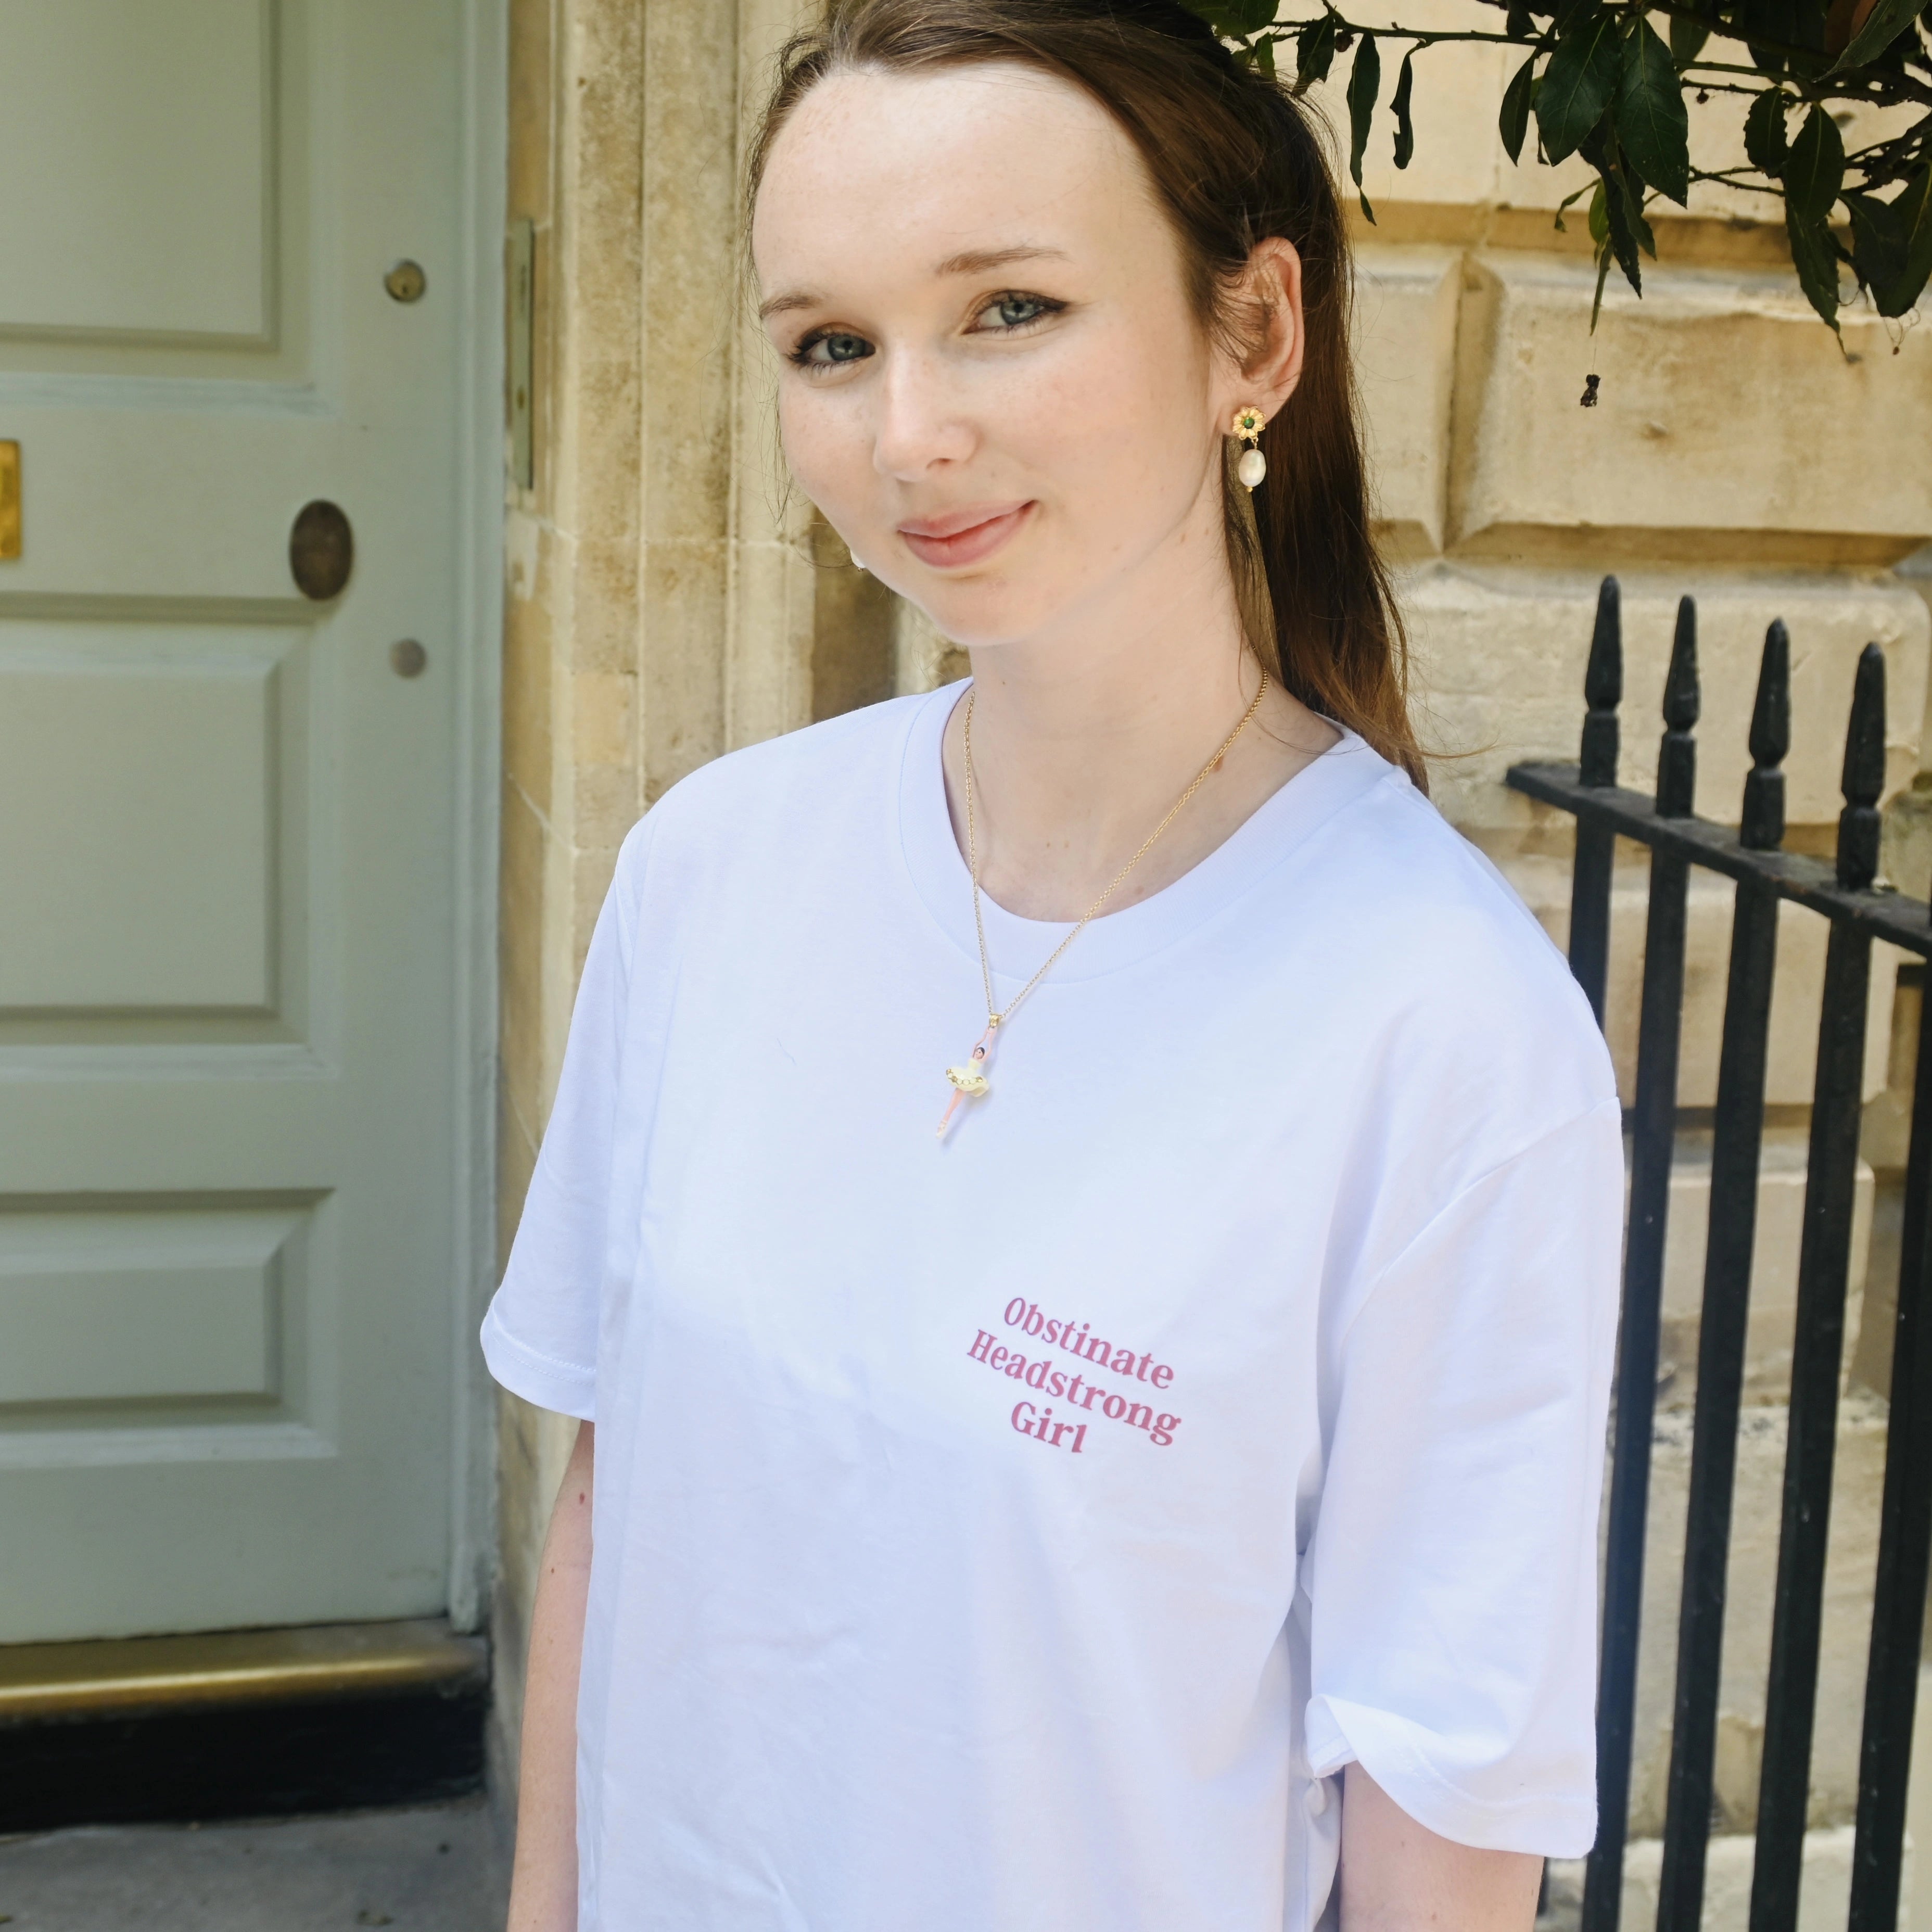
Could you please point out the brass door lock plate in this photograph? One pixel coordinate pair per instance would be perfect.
(10, 500)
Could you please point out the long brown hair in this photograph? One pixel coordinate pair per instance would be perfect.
(1234, 160)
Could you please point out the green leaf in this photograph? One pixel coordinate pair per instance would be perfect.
(1764, 144)
(1687, 37)
(1885, 23)
(1891, 244)
(1314, 52)
(1623, 210)
(1815, 169)
(1405, 125)
(1622, 231)
(1878, 252)
(1514, 123)
(1517, 23)
(1632, 193)
(1569, 201)
(1578, 83)
(1759, 20)
(1653, 125)
(1767, 24)
(1365, 82)
(1233, 17)
(1816, 261)
(1915, 210)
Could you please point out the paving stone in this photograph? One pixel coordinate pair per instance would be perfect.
(437, 1868)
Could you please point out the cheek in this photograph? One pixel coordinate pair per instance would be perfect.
(826, 447)
(1121, 425)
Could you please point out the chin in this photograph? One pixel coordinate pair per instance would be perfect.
(982, 617)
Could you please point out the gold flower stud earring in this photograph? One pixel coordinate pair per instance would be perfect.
(1249, 423)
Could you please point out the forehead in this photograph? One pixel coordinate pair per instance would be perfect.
(925, 166)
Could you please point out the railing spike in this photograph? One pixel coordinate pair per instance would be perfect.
(1677, 757)
(1680, 699)
(1604, 689)
(1859, 823)
(1762, 829)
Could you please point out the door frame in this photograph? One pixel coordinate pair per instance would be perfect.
(478, 481)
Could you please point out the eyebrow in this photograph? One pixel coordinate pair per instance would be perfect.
(977, 261)
(972, 262)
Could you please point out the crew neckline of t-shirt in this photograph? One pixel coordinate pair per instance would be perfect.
(1348, 768)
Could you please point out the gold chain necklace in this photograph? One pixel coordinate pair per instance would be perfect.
(969, 1081)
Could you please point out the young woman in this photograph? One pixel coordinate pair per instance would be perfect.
(1084, 1216)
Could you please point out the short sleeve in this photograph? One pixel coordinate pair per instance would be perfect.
(1452, 1572)
(540, 1335)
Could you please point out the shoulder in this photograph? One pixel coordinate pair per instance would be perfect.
(753, 801)
(1428, 935)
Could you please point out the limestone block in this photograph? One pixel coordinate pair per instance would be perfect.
(1906, 854)
(1796, 990)
(1774, 1294)
(854, 642)
(1857, 1478)
(1406, 348)
(1914, 572)
(1458, 159)
(1824, 1891)
(1688, 445)
(922, 659)
(1499, 654)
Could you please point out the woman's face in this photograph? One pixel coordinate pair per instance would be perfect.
(992, 382)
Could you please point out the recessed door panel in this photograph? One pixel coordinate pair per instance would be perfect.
(137, 144)
(141, 1310)
(137, 818)
(228, 833)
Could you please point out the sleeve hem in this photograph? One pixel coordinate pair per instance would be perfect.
(1555, 1826)
(549, 1383)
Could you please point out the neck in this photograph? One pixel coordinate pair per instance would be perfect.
(1074, 745)
(1083, 741)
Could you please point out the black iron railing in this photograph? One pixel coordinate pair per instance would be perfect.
(1858, 912)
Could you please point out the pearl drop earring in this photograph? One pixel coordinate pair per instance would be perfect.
(1249, 423)
(857, 565)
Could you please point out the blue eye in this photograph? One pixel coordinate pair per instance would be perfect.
(1015, 311)
(830, 350)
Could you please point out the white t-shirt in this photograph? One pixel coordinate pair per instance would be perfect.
(1017, 1533)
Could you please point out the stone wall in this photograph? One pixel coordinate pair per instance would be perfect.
(662, 599)
(669, 599)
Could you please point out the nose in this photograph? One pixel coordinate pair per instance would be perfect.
(920, 426)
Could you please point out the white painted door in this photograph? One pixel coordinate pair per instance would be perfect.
(227, 826)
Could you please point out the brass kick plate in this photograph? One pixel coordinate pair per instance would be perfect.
(117, 1675)
(10, 500)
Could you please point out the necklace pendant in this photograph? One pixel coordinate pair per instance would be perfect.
(969, 1081)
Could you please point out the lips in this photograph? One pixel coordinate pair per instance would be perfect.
(964, 536)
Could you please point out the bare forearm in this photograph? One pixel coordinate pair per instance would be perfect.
(543, 1890)
(1397, 1876)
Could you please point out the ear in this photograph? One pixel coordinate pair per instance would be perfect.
(1269, 301)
